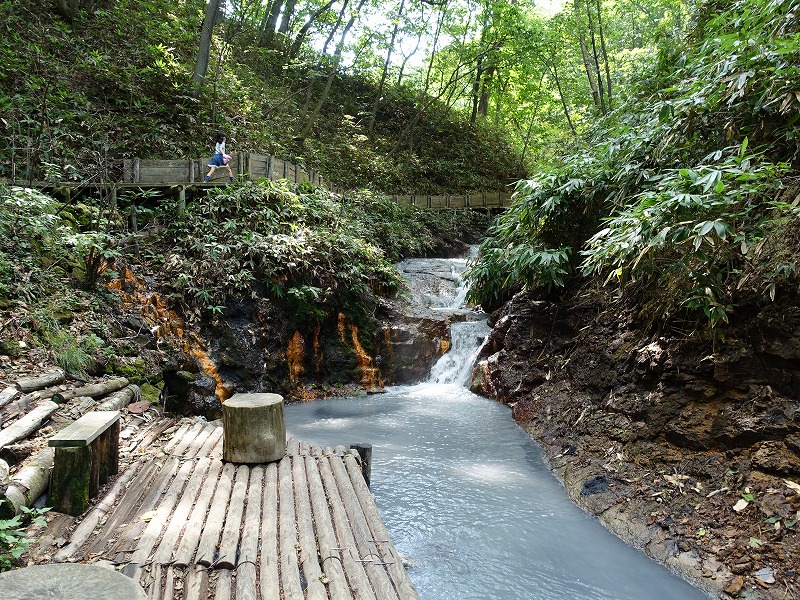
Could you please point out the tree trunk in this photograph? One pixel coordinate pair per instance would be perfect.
(605, 54)
(121, 398)
(337, 55)
(379, 93)
(254, 428)
(270, 23)
(589, 74)
(596, 59)
(204, 50)
(298, 40)
(554, 71)
(286, 17)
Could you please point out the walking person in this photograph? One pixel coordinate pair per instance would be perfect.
(220, 159)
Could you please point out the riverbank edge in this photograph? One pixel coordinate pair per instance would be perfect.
(627, 519)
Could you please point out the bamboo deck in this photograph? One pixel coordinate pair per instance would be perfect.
(187, 526)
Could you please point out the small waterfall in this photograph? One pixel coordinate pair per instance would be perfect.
(466, 340)
(437, 285)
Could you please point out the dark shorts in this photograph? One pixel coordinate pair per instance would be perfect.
(216, 161)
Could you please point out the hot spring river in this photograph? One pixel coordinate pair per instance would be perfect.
(467, 499)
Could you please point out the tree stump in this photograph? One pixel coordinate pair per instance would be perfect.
(254, 428)
(69, 581)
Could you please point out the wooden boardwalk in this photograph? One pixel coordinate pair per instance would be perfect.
(187, 526)
(189, 173)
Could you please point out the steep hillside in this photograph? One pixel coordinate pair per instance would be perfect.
(117, 81)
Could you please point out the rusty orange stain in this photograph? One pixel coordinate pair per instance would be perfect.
(165, 323)
(318, 356)
(370, 374)
(295, 356)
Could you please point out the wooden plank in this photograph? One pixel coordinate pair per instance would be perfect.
(402, 582)
(459, 201)
(293, 447)
(405, 200)
(246, 582)
(268, 565)
(492, 199)
(376, 571)
(193, 449)
(215, 435)
(330, 557)
(187, 437)
(223, 587)
(141, 496)
(248, 547)
(309, 554)
(287, 535)
(154, 431)
(85, 430)
(90, 521)
(176, 437)
(195, 586)
(156, 524)
(180, 516)
(356, 574)
(233, 520)
(438, 202)
(169, 585)
(191, 537)
(155, 593)
(216, 517)
(26, 425)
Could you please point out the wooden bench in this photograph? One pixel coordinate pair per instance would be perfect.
(86, 455)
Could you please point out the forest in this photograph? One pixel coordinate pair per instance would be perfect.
(648, 256)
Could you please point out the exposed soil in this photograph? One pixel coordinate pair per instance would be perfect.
(688, 451)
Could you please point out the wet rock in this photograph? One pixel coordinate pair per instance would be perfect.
(765, 575)
(595, 485)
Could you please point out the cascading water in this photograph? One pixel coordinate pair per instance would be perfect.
(466, 339)
(464, 491)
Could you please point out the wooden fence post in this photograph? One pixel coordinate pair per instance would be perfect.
(136, 170)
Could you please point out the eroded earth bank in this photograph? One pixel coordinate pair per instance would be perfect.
(688, 450)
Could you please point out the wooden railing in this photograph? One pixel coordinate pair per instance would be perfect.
(143, 172)
(190, 172)
(471, 200)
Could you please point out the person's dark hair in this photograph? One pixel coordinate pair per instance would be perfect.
(220, 136)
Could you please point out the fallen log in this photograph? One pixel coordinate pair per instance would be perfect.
(94, 390)
(28, 484)
(14, 454)
(8, 394)
(24, 426)
(19, 406)
(31, 384)
(121, 398)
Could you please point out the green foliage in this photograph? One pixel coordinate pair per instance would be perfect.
(315, 252)
(13, 538)
(692, 230)
(697, 220)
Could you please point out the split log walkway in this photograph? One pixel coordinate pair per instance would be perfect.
(188, 526)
